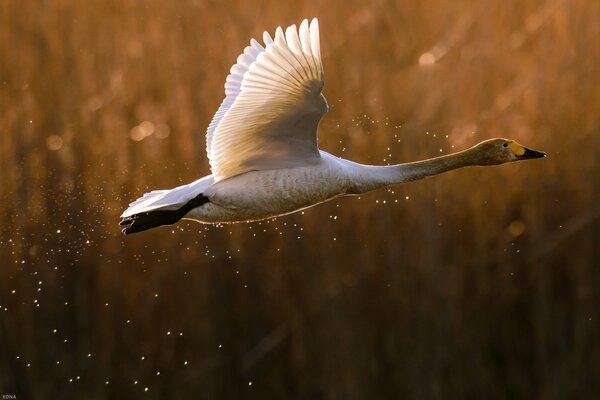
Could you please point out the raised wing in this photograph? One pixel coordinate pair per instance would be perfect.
(273, 105)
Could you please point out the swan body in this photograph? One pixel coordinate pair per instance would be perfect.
(262, 145)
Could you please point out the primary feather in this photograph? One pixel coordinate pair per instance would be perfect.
(272, 107)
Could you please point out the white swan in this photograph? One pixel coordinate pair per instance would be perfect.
(262, 145)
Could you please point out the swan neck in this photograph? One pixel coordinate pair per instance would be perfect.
(438, 165)
(373, 177)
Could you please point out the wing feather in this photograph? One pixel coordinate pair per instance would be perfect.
(272, 106)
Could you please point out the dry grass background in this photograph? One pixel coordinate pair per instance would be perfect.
(481, 283)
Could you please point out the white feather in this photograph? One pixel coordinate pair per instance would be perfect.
(168, 199)
(256, 127)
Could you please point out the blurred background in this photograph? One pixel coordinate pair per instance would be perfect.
(477, 283)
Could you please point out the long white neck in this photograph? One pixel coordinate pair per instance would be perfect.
(369, 177)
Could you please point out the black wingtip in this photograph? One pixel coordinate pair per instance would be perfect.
(148, 220)
(126, 221)
(127, 224)
(152, 219)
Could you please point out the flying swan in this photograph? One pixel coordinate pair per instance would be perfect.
(262, 145)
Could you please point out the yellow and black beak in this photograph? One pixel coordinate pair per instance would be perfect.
(529, 154)
(523, 153)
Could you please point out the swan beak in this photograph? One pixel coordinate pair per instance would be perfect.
(530, 154)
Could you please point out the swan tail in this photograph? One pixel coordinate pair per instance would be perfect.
(145, 220)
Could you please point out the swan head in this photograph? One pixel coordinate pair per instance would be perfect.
(500, 151)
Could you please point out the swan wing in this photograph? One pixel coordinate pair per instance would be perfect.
(272, 107)
(171, 199)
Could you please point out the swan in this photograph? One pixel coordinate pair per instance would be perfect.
(262, 145)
